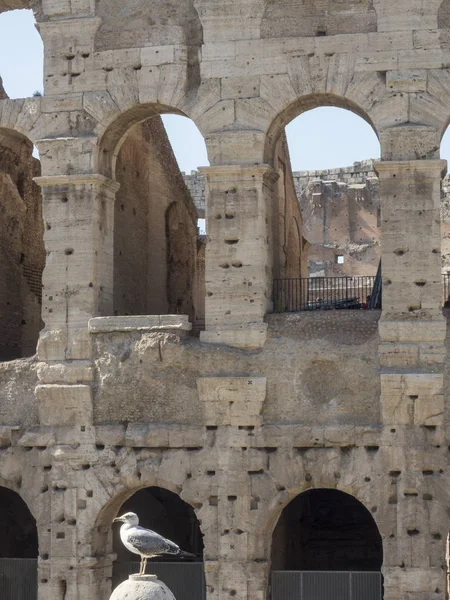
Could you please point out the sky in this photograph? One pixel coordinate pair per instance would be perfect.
(323, 138)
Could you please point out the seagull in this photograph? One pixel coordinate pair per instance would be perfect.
(145, 542)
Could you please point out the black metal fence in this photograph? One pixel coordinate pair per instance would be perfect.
(324, 585)
(322, 293)
(186, 580)
(18, 579)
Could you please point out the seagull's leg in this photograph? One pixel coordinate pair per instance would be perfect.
(145, 566)
(141, 570)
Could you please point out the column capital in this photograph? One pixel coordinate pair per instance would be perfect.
(407, 168)
(94, 179)
(233, 173)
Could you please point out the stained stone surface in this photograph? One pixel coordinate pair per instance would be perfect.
(142, 587)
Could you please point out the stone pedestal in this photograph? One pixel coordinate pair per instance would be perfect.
(142, 587)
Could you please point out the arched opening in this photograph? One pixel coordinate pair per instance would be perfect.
(21, 56)
(21, 247)
(157, 246)
(18, 548)
(167, 514)
(326, 531)
(331, 156)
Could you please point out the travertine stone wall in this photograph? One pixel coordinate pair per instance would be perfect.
(342, 217)
(338, 401)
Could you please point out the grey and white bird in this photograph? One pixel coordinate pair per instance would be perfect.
(145, 542)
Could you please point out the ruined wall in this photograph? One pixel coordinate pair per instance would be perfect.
(196, 185)
(342, 217)
(155, 227)
(330, 376)
(21, 246)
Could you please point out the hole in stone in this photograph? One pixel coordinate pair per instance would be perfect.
(413, 532)
(372, 449)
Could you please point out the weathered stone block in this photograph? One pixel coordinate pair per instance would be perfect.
(63, 405)
(233, 400)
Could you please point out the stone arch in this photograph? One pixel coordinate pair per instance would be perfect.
(147, 23)
(304, 104)
(34, 5)
(163, 502)
(115, 129)
(336, 525)
(22, 246)
(135, 150)
(317, 18)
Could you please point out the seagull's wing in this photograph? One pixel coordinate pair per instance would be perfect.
(149, 543)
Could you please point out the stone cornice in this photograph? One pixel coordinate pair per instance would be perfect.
(94, 179)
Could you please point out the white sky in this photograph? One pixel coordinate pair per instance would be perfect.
(319, 139)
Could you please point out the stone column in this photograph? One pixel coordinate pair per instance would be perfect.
(78, 277)
(411, 239)
(78, 285)
(412, 353)
(238, 253)
(412, 328)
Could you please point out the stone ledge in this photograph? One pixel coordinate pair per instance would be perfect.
(139, 323)
(249, 337)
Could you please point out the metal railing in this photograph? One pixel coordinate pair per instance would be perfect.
(186, 580)
(18, 579)
(326, 585)
(322, 293)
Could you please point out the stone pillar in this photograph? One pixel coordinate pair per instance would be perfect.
(78, 285)
(411, 239)
(78, 277)
(412, 328)
(238, 254)
(412, 353)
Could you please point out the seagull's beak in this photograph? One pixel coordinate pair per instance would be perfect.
(117, 520)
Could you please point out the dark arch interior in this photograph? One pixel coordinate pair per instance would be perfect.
(166, 513)
(18, 531)
(326, 530)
